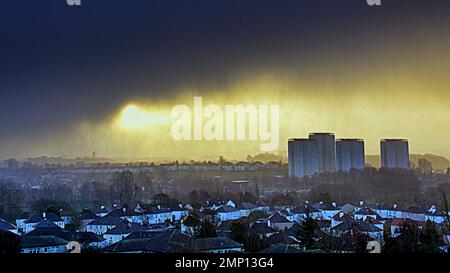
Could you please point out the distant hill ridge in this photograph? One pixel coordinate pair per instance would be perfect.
(439, 163)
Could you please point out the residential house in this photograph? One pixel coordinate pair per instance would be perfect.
(20, 221)
(43, 244)
(358, 227)
(340, 218)
(274, 165)
(302, 212)
(190, 225)
(436, 217)
(101, 225)
(184, 167)
(388, 211)
(228, 213)
(36, 218)
(415, 213)
(128, 215)
(227, 166)
(86, 217)
(178, 213)
(169, 166)
(165, 242)
(86, 239)
(158, 215)
(365, 212)
(121, 231)
(283, 238)
(256, 165)
(246, 208)
(279, 222)
(67, 218)
(242, 166)
(395, 225)
(45, 228)
(262, 229)
(6, 226)
(349, 208)
(103, 211)
(328, 210)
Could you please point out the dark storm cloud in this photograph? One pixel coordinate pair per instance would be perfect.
(60, 64)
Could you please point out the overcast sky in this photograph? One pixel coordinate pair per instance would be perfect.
(61, 66)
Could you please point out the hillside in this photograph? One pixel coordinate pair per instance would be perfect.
(439, 163)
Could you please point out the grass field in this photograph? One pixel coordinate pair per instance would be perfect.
(229, 175)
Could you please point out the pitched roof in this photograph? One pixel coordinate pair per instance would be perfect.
(281, 238)
(280, 248)
(191, 221)
(366, 211)
(81, 237)
(122, 213)
(142, 235)
(125, 228)
(246, 206)
(397, 221)
(261, 228)
(156, 210)
(103, 210)
(342, 218)
(372, 221)
(46, 224)
(305, 209)
(132, 245)
(323, 223)
(36, 218)
(24, 216)
(226, 208)
(205, 244)
(383, 207)
(41, 241)
(4, 225)
(420, 210)
(87, 215)
(436, 213)
(168, 242)
(106, 221)
(278, 218)
(357, 226)
(165, 242)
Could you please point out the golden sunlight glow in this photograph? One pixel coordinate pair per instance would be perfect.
(134, 117)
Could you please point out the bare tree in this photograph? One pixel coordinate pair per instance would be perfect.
(10, 199)
(123, 187)
(445, 205)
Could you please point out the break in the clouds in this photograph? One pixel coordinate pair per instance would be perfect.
(66, 73)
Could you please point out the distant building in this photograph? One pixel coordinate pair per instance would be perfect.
(302, 157)
(326, 151)
(350, 154)
(239, 186)
(394, 153)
